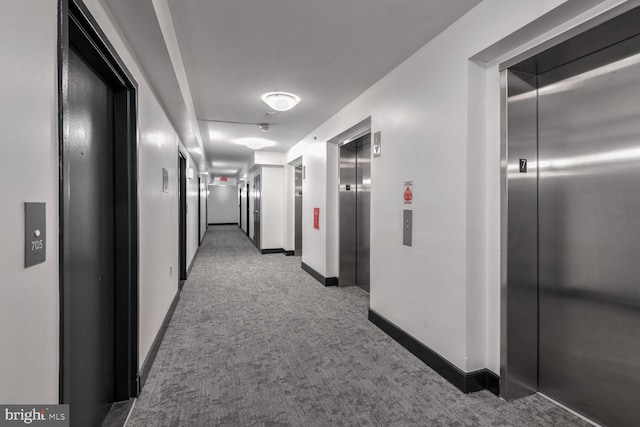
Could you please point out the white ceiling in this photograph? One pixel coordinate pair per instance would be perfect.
(326, 51)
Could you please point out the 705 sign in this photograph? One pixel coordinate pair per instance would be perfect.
(36, 245)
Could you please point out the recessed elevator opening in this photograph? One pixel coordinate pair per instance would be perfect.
(355, 193)
(571, 288)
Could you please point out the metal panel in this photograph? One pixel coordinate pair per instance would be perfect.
(35, 230)
(355, 202)
(298, 210)
(347, 216)
(407, 227)
(363, 215)
(589, 231)
(519, 292)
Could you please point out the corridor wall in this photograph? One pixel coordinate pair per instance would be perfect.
(223, 204)
(438, 114)
(29, 307)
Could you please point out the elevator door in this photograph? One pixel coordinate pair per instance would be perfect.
(355, 188)
(298, 210)
(256, 211)
(91, 272)
(589, 240)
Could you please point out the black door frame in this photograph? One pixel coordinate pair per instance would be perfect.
(76, 26)
(247, 202)
(182, 220)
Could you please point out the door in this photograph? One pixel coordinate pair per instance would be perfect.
(355, 189)
(256, 211)
(182, 216)
(247, 203)
(91, 245)
(589, 239)
(298, 210)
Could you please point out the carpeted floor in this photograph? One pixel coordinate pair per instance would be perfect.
(256, 341)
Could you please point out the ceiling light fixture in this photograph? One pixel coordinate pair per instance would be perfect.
(281, 101)
(254, 143)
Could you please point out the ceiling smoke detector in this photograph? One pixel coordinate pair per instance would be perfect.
(264, 127)
(281, 101)
(271, 114)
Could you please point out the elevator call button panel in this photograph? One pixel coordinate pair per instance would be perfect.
(407, 227)
(35, 240)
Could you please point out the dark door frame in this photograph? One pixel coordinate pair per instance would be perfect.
(182, 220)
(247, 203)
(77, 27)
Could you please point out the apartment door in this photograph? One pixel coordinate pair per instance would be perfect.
(248, 218)
(91, 242)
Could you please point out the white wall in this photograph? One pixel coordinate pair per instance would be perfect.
(29, 173)
(193, 240)
(223, 204)
(203, 205)
(273, 207)
(314, 194)
(244, 199)
(29, 307)
(439, 117)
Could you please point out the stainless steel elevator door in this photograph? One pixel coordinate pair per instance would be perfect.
(298, 211)
(589, 240)
(355, 191)
(347, 275)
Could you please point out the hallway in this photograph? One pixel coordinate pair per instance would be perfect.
(254, 340)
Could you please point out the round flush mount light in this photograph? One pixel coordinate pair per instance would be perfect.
(281, 101)
(254, 143)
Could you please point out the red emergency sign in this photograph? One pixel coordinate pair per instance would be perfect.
(408, 194)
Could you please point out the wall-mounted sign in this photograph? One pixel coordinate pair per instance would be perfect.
(35, 241)
(407, 194)
(165, 180)
(377, 144)
(523, 165)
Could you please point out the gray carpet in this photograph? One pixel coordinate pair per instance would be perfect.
(256, 341)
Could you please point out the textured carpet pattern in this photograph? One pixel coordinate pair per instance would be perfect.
(256, 341)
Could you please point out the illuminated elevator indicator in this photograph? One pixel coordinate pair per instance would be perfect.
(523, 165)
